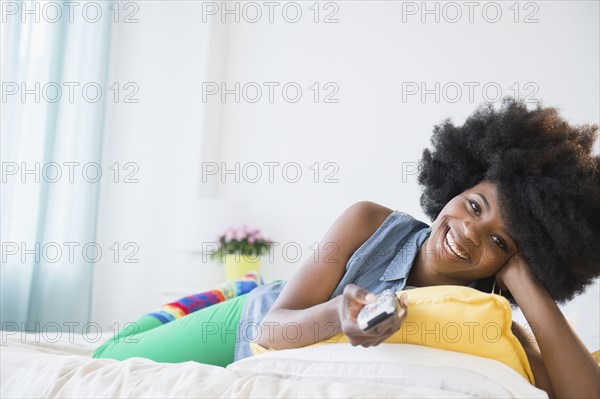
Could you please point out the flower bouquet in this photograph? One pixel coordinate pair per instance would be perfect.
(240, 250)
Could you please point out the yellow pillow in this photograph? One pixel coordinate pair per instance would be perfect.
(459, 319)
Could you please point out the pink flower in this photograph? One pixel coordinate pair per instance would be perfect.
(255, 234)
(230, 234)
(240, 235)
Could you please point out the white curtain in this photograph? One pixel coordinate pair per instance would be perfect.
(54, 60)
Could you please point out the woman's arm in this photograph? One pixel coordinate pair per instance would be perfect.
(534, 357)
(571, 370)
(304, 302)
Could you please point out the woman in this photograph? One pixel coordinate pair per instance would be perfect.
(514, 195)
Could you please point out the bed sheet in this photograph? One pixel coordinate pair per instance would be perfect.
(65, 369)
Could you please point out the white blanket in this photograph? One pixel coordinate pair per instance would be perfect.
(65, 369)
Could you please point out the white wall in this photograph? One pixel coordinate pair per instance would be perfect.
(166, 55)
(368, 134)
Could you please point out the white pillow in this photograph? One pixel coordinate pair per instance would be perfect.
(392, 364)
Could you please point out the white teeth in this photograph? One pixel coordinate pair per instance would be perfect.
(453, 246)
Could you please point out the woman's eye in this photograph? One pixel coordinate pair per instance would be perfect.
(500, 242)
(475, 207)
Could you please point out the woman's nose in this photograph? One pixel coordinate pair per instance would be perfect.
(471, 231)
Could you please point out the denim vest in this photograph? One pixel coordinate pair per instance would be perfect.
(381, 262)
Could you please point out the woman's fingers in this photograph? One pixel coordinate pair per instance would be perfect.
(355, 298)
(379, 333)
(403, 309)
(355, 294)
(390, 326)
(393, 322)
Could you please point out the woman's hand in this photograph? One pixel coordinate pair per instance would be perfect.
(515, 269)
(353, 300)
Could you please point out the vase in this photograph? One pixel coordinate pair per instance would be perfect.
(236, 265)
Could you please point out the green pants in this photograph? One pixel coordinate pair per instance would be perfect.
(206, 336)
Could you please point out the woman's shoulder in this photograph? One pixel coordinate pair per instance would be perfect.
(370, 215)
(367, 209)
(367, 216)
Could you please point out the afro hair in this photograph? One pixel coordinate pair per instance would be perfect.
(547, 182)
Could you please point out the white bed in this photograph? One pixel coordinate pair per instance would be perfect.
(65, 369)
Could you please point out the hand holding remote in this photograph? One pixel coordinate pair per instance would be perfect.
(353, 300)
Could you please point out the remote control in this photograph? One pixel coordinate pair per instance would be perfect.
(374, 313)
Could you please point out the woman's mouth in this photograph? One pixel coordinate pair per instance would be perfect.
(452, 247)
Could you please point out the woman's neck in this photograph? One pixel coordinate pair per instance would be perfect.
(423, 275)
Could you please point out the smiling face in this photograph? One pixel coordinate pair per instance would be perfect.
(469, 239)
